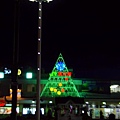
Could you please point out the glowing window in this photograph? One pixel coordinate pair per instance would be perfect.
(1, 74)
(28, 75)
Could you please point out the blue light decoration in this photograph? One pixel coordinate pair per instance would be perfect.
(60, 66)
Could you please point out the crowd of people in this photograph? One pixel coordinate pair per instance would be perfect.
(50, 116)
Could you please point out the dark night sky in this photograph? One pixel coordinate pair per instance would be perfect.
(86, 33)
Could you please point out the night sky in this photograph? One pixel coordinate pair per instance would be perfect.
(86, 33)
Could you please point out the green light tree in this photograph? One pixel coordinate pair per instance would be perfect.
(60, 83)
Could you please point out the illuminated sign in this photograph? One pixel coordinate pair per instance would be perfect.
(1, 75)
(8, 71)
(19, 72)
(29, 75)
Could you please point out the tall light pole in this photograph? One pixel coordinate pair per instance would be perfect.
(39, 56)
(15, 57)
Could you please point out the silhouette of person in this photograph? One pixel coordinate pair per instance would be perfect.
(101, 115)
(111, 116)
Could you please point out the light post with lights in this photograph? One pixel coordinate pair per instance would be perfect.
(15, 58)
(39, 56)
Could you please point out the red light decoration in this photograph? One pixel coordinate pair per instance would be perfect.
(59, 73)
(2, 103)
(62, 90)
(66, 79)
(64, 73)
(69, 73)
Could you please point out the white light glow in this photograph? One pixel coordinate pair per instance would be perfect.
(32, 0)
(82, 111)
(40, 2)
(50, 102)
(42, 110)
(33, 101)
(8, 105)
(29, 75)
(93, 105)
(49, 1)
(87, 102)
(114, 86)
(1, 74)
(104, 103)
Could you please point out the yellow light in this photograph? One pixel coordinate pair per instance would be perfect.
(59, 93)
(18, 90)
(10, 93)
(55, 90)
(10, 90)
(19, 72)
(60, 84)
(51, 89)
(18, 93)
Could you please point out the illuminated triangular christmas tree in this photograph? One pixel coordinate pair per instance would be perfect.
(60, 83)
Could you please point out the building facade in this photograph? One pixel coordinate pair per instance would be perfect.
(99, 95)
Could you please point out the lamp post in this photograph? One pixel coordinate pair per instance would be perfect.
(15, 58)
(39, 56)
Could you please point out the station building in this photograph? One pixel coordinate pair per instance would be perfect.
(98, 94)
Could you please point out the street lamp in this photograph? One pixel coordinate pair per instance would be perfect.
(39, 55)
(15, 58)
